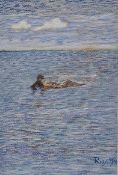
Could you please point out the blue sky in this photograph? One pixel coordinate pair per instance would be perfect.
(58, 24)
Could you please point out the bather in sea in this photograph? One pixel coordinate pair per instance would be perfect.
(45, 85)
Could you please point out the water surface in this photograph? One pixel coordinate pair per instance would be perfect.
(58, 132)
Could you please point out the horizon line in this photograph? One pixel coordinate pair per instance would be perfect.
(61, 49)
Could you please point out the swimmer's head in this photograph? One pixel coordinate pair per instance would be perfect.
(40, 77)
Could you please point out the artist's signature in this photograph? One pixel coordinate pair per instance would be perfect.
(111, 161)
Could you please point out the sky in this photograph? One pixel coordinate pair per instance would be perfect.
(58, 24)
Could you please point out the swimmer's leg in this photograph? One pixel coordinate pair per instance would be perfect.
(69, 83)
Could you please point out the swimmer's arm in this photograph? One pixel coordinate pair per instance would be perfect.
(33, 86)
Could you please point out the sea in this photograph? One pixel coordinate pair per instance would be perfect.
(69, 131)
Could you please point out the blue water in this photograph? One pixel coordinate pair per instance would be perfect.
(58, 132)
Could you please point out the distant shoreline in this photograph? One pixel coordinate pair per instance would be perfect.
(85, 49)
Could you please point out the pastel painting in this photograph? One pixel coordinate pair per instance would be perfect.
(58, 87)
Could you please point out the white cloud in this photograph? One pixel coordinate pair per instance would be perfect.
(22, 25)
(55, 23)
